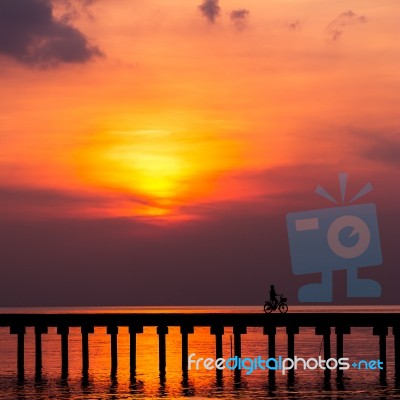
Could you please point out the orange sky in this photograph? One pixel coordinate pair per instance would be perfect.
(180, 111)
(150, 150)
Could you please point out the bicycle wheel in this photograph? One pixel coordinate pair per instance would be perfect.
(267, 308)
(283, 308)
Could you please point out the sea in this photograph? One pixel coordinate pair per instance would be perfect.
(99, 384)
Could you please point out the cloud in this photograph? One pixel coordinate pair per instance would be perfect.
(240, 246)
(210, 9)
(28, 203)
(294, 25)
(30, 34)
(336, 28)
(234, 248)
(72, 10)
(381, 149)
(239, 18)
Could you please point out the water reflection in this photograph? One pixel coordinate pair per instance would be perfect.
(188, 389)
(148, 383)
(162, 390)
(219, 381)
(20, 392)
(136, 386)
(327, 383)
(270, 386)
(63, 388)
(291, 380)
(340, 384)
(238, 386)
(40, 384)
(340, 389)
(237, 379)
(38, 376)
(87, 383)
(113, 388)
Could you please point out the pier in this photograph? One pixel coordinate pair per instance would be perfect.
(325, 324)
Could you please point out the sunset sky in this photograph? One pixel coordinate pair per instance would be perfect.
(150, 149)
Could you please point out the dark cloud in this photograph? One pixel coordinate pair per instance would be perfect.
(336, 28)
(31, 34)
(227, 257)
(210, 9)
(385, 150)
(240, 18)
(20, 203)
(73, 10)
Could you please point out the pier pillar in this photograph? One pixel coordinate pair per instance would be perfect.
(20, 332)
(218, 331)
(291, 331)
(85, 330)
(382, 332)
(113, 332)
(39, 330)
(340, 331)
(133, 330)
(64, 331)
(271, 332)
(325, 331)
(185, 330)
(162, 330)
(238, 330)
(396, 333)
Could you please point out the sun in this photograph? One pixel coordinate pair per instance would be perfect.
(157, 170)
(148, 162)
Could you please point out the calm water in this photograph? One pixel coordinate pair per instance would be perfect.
(361, 344)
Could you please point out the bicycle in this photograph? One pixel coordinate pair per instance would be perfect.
(280, 305)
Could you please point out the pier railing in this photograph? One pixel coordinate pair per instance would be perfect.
(324, 323)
